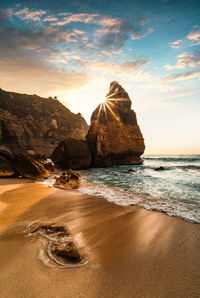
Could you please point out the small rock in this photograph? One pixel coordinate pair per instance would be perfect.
(68, 179)
(66, 251)
(160, 168)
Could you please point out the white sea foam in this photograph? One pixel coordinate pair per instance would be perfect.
(175, 191)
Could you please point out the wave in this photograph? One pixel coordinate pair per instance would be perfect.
(179, 208)
(172, 167)
(174, 159)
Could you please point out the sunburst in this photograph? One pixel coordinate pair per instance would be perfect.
(106, 108)
(107, 104)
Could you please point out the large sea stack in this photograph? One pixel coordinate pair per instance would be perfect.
(36, 125)
(114, 136)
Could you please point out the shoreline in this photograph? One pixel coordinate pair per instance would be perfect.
(131, 251)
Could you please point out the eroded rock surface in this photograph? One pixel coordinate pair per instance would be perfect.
(6, 168)
(26, 166)
(69, 179)
(36, 125)
(72, 153)
(114, 135)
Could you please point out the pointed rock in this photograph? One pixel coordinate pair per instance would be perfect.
(114, 136)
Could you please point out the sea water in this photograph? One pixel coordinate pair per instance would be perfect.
(175, 190)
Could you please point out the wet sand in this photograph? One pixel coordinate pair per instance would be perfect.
(131, 252)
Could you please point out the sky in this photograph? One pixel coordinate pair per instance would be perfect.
(74, 49)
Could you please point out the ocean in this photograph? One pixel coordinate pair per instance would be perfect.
(175, 190)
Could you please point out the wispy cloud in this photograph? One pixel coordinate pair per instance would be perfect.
(5, 13)
(186, 59)
(192, 39)
(30, 15)
(104, 21)
(183, 76)
(128, 67)
(194, 36)
(142, 35)
(176, 44)
(50, 19)
(184, 94)
(36, 76)
(110, 33)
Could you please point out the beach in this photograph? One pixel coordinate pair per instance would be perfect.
(131, 252)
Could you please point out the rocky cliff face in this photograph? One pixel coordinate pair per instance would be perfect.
(35, 125)
(114, 135)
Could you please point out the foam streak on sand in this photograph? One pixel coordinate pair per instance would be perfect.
(131, 252)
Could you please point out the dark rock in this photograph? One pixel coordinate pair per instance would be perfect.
(6, 153)
(114, 135)
(72, 154)
(27, 167)
(160, 168)
(49, 166)
(6, 168)
(68, 179)
(66, 251)
(131, 171)
(35, 125)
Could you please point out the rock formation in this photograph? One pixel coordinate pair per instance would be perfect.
(114, 135)
(26, 166)
(72, 153)
(35, 125)
(6, 168)
(69, 179)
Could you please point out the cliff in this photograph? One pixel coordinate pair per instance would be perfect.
(114, 135)
(36, 125)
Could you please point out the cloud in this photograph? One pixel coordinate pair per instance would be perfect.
(30, 15)
(194, 36)
(42, 52)
(184, 94)
(110, 33)
(142, 35)
(183, 76)
(187, 59)
(176, 44)
(74, 18)
(116, 33)
(119, 70)
(5, 13)
(36, 76)
(50, 19)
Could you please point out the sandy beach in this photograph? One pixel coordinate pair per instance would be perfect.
(131, 252)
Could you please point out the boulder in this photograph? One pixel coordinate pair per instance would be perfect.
(72, 153)
(6, 168)
(69, 179)
(114, 136)
(27, 167)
